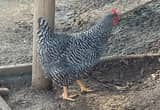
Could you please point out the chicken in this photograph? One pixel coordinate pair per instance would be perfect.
(64, 57)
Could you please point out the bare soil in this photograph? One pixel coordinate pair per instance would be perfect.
(138, 32)
(133, 84)
(138, 80)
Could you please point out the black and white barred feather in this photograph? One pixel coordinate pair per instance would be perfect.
(65, 56)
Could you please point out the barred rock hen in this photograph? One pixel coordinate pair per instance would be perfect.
(65, 56)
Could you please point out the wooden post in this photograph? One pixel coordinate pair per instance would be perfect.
(43, 8)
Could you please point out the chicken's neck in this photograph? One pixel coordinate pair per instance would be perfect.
(102, 29)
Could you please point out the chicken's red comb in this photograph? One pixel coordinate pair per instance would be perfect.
(114, 11)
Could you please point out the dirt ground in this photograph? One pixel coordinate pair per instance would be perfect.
(117, 85)
(138, 32)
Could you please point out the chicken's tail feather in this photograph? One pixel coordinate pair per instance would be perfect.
(42, 26)
(42, 22)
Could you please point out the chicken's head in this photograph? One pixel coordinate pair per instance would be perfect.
(116, 17)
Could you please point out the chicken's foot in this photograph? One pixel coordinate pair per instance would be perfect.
(83, 87)
(66, 96)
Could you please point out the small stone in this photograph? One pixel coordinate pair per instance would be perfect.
(155, 76)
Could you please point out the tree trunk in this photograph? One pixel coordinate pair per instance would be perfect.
(43, 8)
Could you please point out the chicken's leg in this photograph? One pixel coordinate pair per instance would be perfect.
(66, 96)
(83, 87)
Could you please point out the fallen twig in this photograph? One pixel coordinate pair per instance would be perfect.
(27, 68)
(4, 91)
(130, 56)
